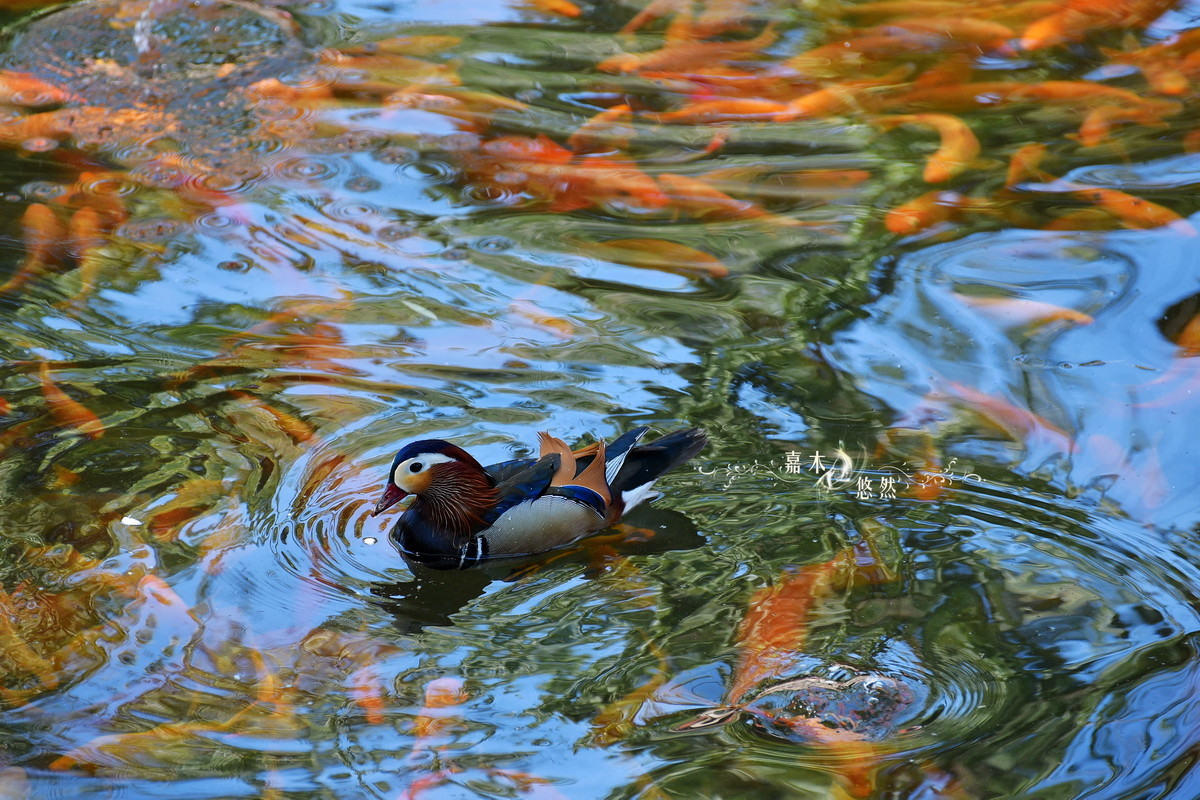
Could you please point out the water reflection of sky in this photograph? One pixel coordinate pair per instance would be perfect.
(1105, 384)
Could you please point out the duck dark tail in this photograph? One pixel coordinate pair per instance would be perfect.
(644, 463)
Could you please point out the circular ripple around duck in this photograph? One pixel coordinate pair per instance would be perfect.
(330, 539)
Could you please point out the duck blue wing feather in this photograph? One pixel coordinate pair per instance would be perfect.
(506, 469)
(521, 480)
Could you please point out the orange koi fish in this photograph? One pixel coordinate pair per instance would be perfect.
(883, 9)
(720, 16)
(958, 149)
(727, 110)
(924, 212)
(85, 232)
(820, 103)
(518, 150)
(437, 714)
(83, 194)
(22, 89)
(960, 30)
(191, 500)
(684, 55)
(1082, 219)
(551, 173)
(954, 98)
(1020, 15)
(835, 59)
(296, 429)
(1078, 18)
(702, 200)
(415, 45)
(772, 632)
(85, 236)
(1019, 424)
(1135, 212)
(1024, 165)
(16, 649)
(1096, 126)
(607, 127)
(595, 181)
(776, 624)
(1088, 93)
(562, 8)
(1166, 65)
(367, 689)
(1188, 339)
(1018, 311)
(659, 254)
(656, 9)
(558, 326)
(42, 234)
(842, 97)
(66, 411)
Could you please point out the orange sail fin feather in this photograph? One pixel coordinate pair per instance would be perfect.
(550, 445)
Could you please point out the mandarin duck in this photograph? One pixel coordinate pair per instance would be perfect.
(465, 513)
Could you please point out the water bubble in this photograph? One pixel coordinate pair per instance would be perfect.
(489, 194)
(152, 230)
(238, 265)
(363, 183)
(493, 244)
(351, 75)
(431, 171)
(359, 141)
(39, 144)
(457, 142)
(229, 182)
(31, 98)
(351, 211)
(43, 190)
(215, 222)
(291, 130)
(397, 155)
(109, 187)
(303, 168)
(158, 174)
(133, 154)
(456, 254)
(277, 109)
(395, 232)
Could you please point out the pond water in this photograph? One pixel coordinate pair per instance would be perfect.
(925, 272)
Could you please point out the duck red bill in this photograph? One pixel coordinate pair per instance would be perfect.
(391, 495)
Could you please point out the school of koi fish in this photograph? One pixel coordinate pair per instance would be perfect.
(967, 118)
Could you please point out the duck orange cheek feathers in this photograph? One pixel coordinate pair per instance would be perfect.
(465, 513)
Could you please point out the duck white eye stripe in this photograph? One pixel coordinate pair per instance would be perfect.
(428, 459)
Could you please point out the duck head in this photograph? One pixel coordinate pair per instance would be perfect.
(441, 474)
